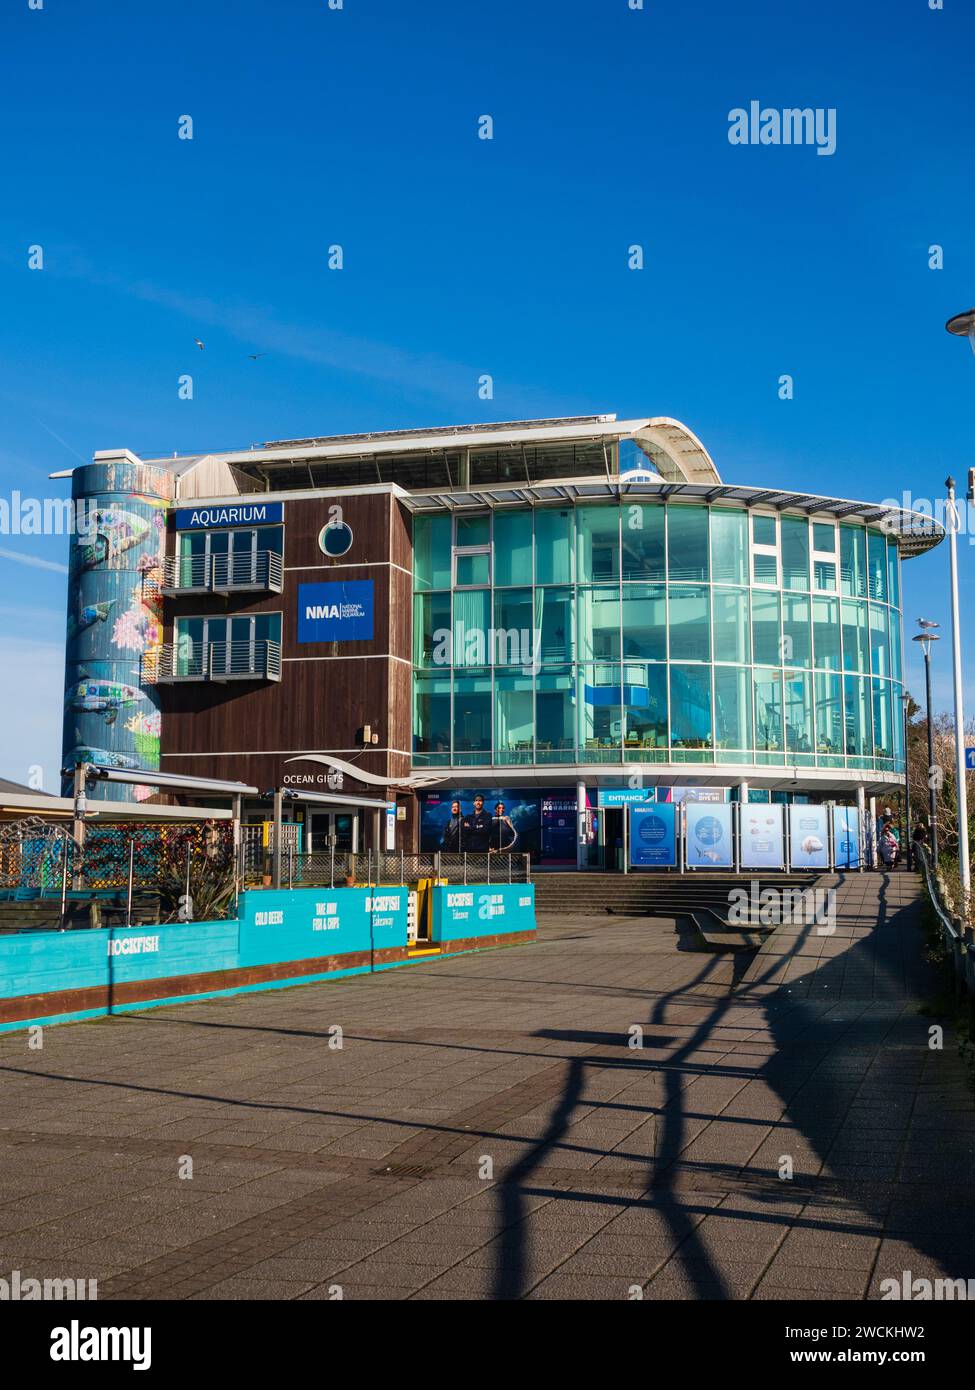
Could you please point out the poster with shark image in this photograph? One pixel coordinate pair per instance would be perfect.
(808, 837)
(708, 835)
(762, 838)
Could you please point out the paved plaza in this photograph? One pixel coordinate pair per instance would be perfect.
(489, 1128)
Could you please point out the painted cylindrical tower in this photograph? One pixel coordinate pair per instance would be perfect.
(111, 712)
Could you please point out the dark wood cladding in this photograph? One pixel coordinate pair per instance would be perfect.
(329, 690)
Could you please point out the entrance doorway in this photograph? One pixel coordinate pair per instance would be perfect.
(610, 839)
(335, 828)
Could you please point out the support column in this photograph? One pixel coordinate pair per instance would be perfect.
(581, 842)
(874, 847)
(78, 827)
(862, 815)
(278, 818)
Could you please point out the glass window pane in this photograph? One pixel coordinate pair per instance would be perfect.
(600, 708)
(644, 705)
(513, 547)
(768, 710)
(893, 575)
(431, 552)
(853, 561)
(824, 537)
(798, 713)
(643, 551)
(644, 622)
(687, 542)
(729, 546)
(472, 713)
(732, 707)
(883, 736)
(879, 641)
(554, 620)
(763, 529)
(856, 716)
(896, 667)
(514, 717)
(829, 715)
(796, 649)
(690, 706)
(599, 623)
(431, 629)
(597, 543)
(555, 707)
(824, 575)
(553, 546)
(766, 637)
(472, 618)
(514, 636)
(877, 564)
(690, 628)
(431, 714)
(473, 569)
(732, 631)
(856, 650)
(826, 633)
(795, 553)
(765, 569)
(473, 530)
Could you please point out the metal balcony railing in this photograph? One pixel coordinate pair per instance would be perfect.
(217, 661)
(260, 571)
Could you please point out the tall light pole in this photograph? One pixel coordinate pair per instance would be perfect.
(926, 637)
(961, 326)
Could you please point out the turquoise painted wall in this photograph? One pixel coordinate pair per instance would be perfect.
(482, 910)
(304, 923)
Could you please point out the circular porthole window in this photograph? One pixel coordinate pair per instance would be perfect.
(335, 539)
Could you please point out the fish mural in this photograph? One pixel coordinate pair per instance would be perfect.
(115, 531)
(94, 696)
(91, 613)
(103, 757)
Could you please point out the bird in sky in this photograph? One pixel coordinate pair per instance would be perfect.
(255, 355)
(198, 343)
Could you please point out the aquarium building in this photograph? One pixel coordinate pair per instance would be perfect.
(552, 614)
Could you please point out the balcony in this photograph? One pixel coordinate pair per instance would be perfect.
(216, 661)
(260, 571)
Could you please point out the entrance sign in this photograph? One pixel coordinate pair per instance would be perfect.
(624, 796)
(846, 837)
(653, 836)
(808, 837)
(709, 838)
(762, 839)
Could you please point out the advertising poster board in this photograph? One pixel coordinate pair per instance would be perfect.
(808, 837)
(846, 837)
(762, 837)
(653, 836)
(709, 838)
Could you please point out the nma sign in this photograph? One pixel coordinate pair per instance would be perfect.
(336, 612)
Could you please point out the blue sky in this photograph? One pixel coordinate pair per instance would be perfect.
(358, 126)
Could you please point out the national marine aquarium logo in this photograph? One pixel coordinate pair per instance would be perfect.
(336, 611)
(114, 621)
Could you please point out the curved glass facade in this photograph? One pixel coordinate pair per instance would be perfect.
(655, 633)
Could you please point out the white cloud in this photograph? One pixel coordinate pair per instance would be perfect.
(33, 560)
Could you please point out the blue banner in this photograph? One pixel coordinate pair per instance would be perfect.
(808, 837)
(846, 837)
(460, 913)
(336, 612)
(234, 514)
(709, 840)
(762, 838)
(653, 836)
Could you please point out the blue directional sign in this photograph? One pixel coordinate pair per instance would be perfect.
(970, 759)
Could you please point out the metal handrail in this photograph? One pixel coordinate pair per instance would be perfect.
(217, 660)
(259, 569)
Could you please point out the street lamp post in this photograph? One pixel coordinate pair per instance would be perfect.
(907, 787)
(961, 326)
(926, 637)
